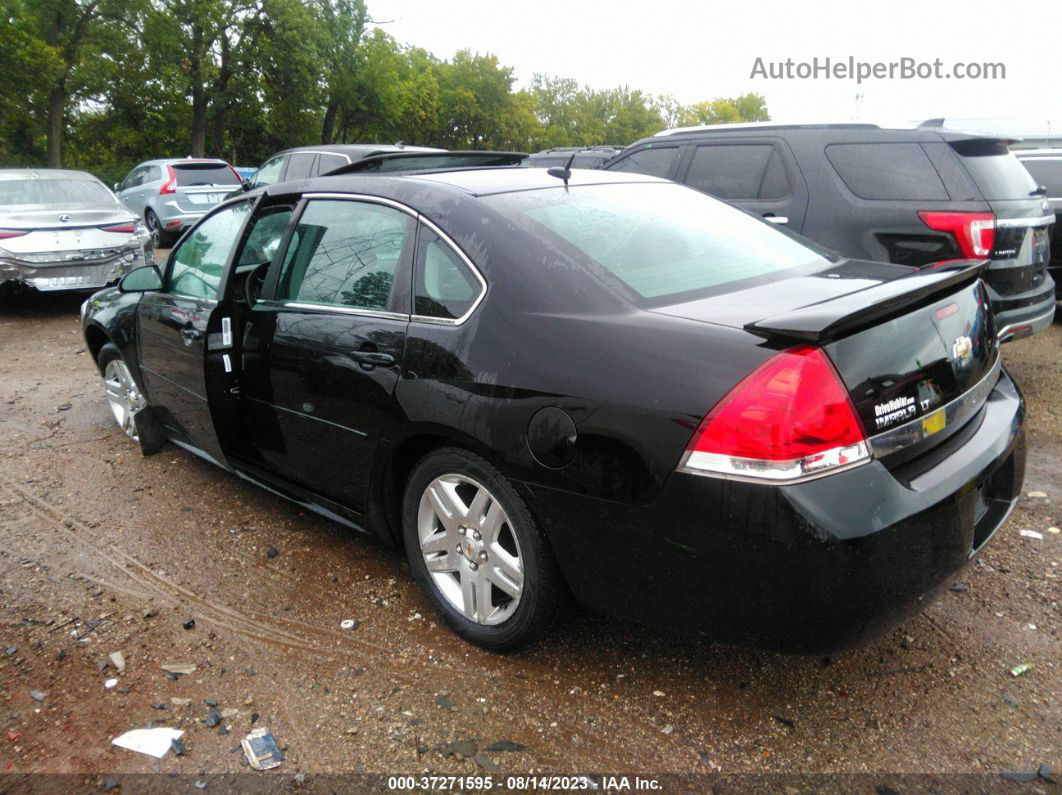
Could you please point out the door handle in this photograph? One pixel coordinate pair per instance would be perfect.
(190, 335)
(370, 359)
(775, 219)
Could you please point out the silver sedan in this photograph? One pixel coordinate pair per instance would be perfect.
(65, 230)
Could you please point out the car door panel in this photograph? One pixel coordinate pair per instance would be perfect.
(322, 353)
(181, 330)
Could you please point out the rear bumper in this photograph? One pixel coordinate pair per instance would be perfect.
(806, 568)
(1022, 315)
(60, 276)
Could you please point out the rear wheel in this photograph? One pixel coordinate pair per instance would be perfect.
(160, 238)
(477, 551)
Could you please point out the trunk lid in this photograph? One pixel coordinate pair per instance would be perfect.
(202, 184)
(907, 344)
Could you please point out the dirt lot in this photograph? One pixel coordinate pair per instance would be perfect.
(102, 550)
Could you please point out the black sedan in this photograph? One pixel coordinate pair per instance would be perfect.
(545, 384)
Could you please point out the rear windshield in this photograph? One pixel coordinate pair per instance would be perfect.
(998, 173)
(189, 174)
(664, 243)
(53, 191)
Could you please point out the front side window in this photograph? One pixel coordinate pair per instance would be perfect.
(738, 171)
(198, 262)
(264, 238)
(654, 161)
(662, 242)
(443, 285)
(345, 254)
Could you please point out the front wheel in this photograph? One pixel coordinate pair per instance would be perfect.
(127, 403)
(478, 553)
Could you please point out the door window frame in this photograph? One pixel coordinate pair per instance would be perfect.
(777, 151)
(226, 267)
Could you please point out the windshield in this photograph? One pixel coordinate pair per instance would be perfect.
(664, 242)
(189, 174)
(14, 192)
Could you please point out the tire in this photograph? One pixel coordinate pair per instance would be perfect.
(128, 405)
(476, 590)
(160, 238)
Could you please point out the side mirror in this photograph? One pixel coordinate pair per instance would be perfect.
(144, 279)
(117, 186)
(246, 184)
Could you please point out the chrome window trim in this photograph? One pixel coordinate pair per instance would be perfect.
(1043, 220)
(342, 310)
(438, 321)
(956, 412)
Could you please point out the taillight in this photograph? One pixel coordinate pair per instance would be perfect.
(975, 233)
(170, 185)
(123, 229)
(6, 234)
(790, 419)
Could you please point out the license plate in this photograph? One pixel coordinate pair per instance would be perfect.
(934, 423)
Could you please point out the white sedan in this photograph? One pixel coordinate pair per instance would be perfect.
(64, 230)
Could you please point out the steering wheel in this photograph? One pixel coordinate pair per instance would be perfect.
(252, 285)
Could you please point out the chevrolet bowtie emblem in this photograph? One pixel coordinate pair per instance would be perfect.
(962, 348)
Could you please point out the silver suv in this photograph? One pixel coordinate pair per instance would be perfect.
(171, 195)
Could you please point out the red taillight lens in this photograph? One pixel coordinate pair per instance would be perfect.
(6, 234)
(124, 229)
(170, 186)
(790, 419)
(974, 232)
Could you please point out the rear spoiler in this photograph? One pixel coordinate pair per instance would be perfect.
(827, 320)
(404, 162)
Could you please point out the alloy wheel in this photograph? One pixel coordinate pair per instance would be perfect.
(124, 396)
(470, 549)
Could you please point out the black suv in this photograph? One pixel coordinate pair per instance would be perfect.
(909, 196)
(1045, 165)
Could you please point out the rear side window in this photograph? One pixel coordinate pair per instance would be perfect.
(328, 162)
(1047, 173)
(658, 243)
(189, 174)
(889, 172)
(345, 254)
(299, 165)
(444, 287)
(655, 161)
(270, 172)
(997, 172)
(738, 171)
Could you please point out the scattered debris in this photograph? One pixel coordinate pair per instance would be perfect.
(210, 702)
(150, 613)
(1032, 534)
(63, 407)
(160, 706)
(110, 683)
(505, 745)
(658, 693)
(189, 624)
(667, 729)
(109, 783)
(463, 748)
(179, 668)
(180, 702)
(789, 723)
(38, 695)
(261, 749)
(153, 742)
(230, 712)
(10, 650)
(213, 718)
(444, 701)
(117, 659)
(1009, 699)
(1036, 494)
(352, 730)
(12, 737)
(958, 587)
(1054, 530)
(179, 748)
(254, 718)
(1024, 668)
(487, 763)
(349, 623)
(272, 552)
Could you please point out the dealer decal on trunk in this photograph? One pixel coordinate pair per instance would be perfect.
(893, 411)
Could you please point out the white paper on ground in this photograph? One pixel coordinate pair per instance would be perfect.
(153, 742)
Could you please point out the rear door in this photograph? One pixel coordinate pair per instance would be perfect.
(129, 190)
(757, 174)
(177, 323)
(323, 349)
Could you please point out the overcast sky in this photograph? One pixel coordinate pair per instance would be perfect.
(697, 50)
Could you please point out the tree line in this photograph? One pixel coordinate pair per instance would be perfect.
(104, 84)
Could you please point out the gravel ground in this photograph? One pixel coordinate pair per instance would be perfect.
(102, 550)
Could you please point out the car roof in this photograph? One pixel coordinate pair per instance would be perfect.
(1032, 154)
(173, 161)
(488, 181)
(922, 132)
(45, 173)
